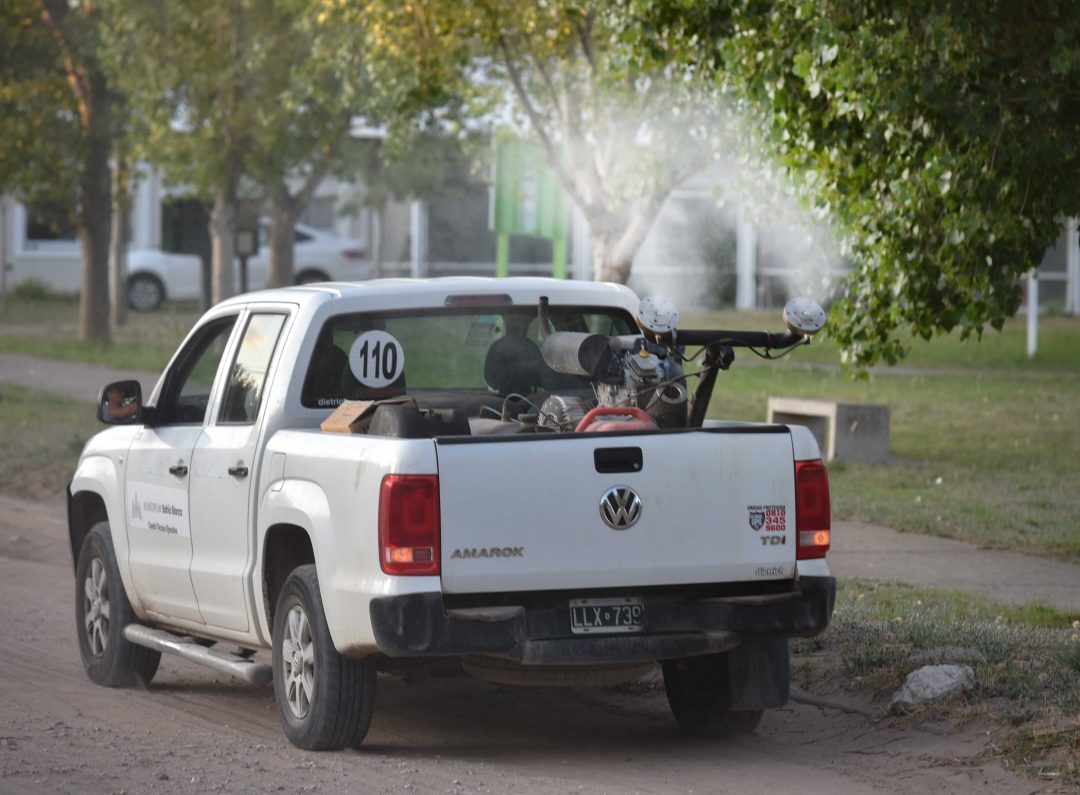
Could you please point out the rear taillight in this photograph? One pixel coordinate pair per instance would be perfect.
(812, 513)
(353, 254)
(409, 524)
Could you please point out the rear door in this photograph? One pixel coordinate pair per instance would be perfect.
(223, 467)
(604, 511)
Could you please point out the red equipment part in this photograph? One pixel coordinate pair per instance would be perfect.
(638, 420)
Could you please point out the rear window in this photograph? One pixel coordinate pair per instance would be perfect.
(495, 350)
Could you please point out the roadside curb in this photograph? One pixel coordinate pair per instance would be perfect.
(881, 553)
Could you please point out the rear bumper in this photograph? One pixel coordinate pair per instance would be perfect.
(418, 625)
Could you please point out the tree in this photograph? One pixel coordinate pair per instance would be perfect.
(57, 122)
(307, 82)
(412, 162)
(618, 132)
(185, 70)
(943, 138)
(241, 99)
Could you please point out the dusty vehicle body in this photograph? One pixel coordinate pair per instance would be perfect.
(534, 497)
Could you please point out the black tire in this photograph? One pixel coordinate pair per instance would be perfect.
(102, 610)
(698, 691)
(311, 276)
(327, 704)
(145, 292)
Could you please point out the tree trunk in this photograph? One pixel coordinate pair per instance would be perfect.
(282, 239)
(222, 246)
(611, 262)
(119, 242)
(615, 241)
(94, 219)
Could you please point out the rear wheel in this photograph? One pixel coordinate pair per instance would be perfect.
(326, 700)
(145, 292)
(699, 692)
(102, 610)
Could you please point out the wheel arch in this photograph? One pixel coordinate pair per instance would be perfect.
(285, 546)
(292, 516)
(95, 494)
(150, 273)
(85, 509)
(308, 274)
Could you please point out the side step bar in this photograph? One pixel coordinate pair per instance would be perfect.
(160, 640)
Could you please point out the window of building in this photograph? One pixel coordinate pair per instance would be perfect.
(50, 221)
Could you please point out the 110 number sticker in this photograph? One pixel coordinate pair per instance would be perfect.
(377, 359)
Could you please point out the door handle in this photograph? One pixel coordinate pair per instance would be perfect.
(238, 471)
(179, 470)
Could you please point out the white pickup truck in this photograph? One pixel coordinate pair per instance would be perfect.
(528, 491)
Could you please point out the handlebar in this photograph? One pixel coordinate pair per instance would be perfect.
(742, 339)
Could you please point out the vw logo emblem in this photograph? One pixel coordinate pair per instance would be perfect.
(620, 507)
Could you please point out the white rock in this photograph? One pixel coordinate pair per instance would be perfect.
(932, 683)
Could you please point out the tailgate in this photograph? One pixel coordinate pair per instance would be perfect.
(524, 515)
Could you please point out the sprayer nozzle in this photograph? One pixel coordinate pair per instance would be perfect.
(804, 316)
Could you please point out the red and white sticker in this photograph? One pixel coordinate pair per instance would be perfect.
(767, 518)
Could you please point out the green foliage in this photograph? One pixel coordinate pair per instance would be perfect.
(305, 81)
(182, 67)
(42, 139)
(941, 137)
(36, 110)
(58, 125)
(236, 99)
(415, 162)
(47, 71)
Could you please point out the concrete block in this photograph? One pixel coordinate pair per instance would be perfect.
(845, 432)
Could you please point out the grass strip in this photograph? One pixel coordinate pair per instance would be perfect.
(41, 437)
(1026, 662)
(49, 327)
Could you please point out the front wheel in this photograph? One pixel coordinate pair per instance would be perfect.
(326, 700)
(102, 610)
(699, 693)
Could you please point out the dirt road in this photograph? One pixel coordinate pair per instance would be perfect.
(195, 731)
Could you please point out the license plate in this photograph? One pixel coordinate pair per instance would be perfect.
(624, 614)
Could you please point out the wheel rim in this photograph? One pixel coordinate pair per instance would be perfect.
(96, 610)
(144, 295)
(298, 662)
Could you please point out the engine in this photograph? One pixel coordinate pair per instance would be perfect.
(630, 372)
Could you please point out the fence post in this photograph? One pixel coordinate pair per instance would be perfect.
(1032, 312)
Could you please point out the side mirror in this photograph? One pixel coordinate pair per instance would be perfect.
(120, 403)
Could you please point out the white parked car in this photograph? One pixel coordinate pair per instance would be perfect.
(155, 275)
